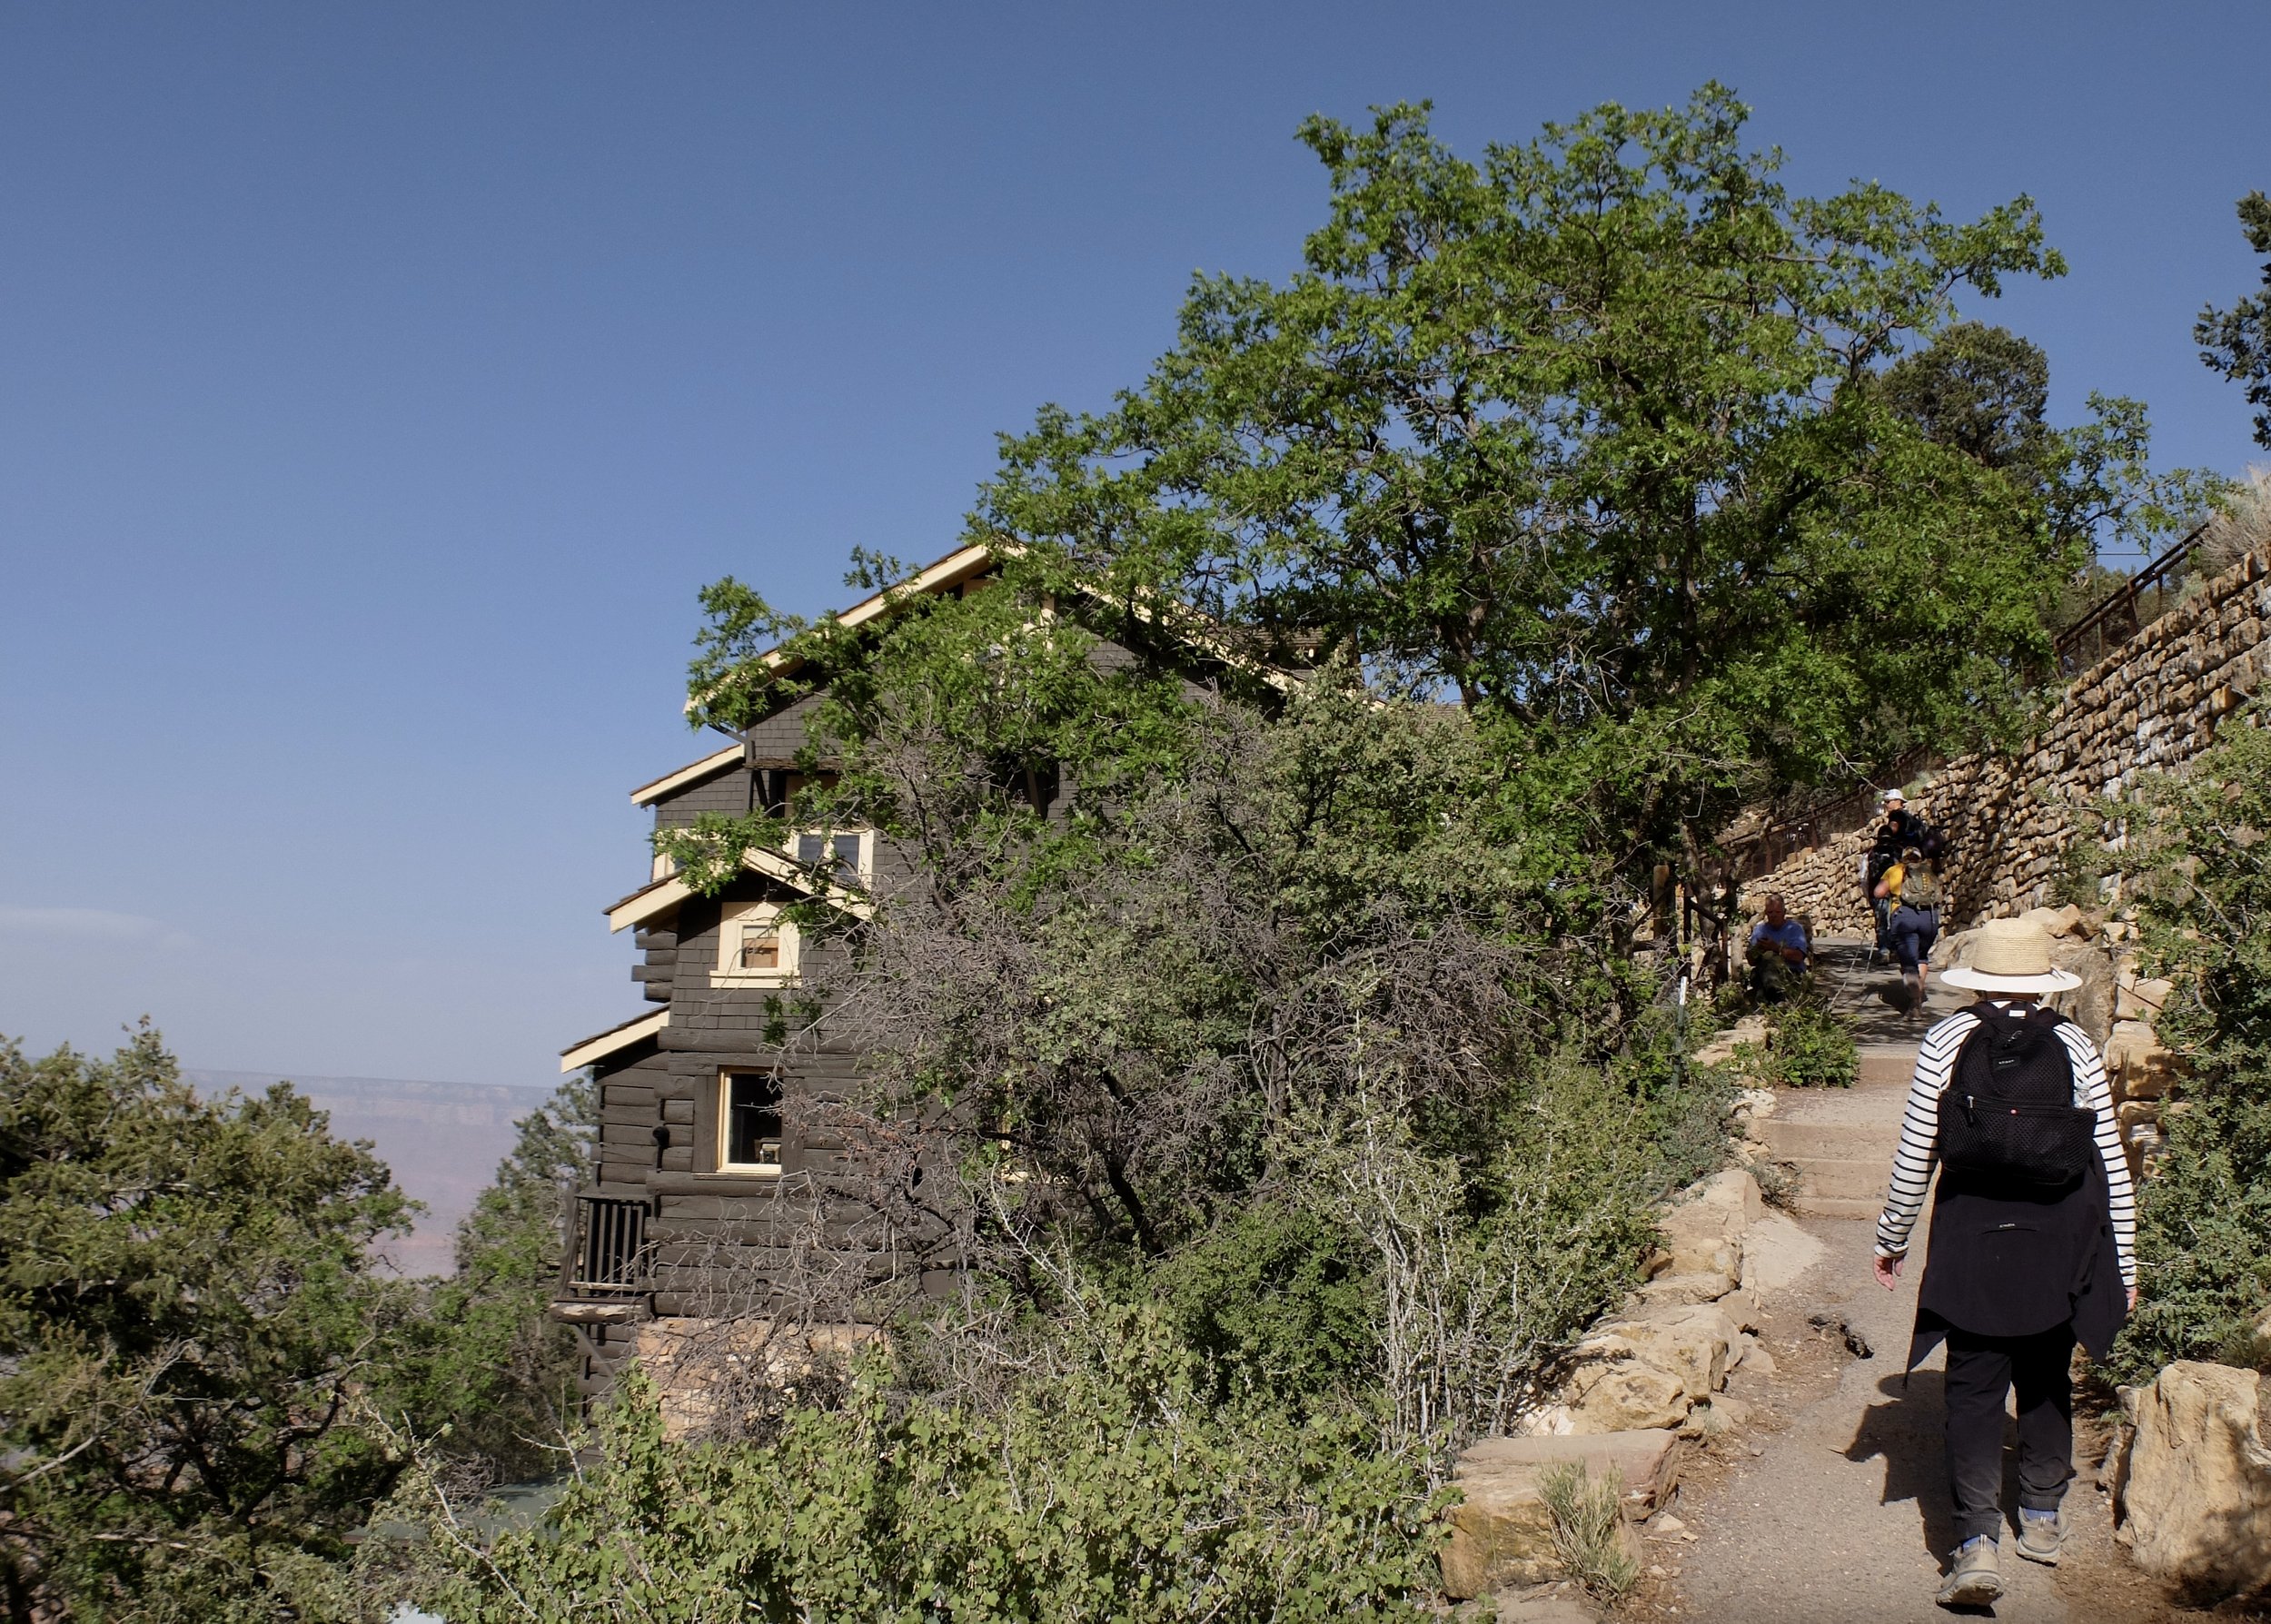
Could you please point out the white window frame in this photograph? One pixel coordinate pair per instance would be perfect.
(724, 1129)
(739, 919)
(866, 866)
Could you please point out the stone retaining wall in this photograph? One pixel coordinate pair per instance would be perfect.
(2153, 704)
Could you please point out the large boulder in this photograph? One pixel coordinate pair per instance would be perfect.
(2091, 1004)
(2195, 1493)
(2138, 1064)
(1720, 1048)
(1502, 1534)
(1680, 1290)
(2140, 1000)
(1702, 1226)
(1691, 1343)
(1610, 1389)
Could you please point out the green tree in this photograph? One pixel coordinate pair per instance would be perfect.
(188, 1309)
(2199, 850)
(2237, 342)
(1982, 391)
(1588, 435)
(495, 1379)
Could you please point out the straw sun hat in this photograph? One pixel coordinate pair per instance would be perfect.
(2011, 956)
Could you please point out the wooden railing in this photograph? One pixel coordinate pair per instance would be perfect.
(607, 1247)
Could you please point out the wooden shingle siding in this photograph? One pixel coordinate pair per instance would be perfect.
(779, 740)
(733, 792)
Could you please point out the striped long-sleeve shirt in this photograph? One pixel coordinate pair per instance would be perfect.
(1919, 1137)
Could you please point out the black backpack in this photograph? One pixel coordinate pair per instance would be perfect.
(2007, 1112)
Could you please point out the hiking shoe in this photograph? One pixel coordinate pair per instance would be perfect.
(1977, 1578)
(2041, 1534)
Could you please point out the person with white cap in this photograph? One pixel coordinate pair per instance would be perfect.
(2032, 1243)
(1895, 835)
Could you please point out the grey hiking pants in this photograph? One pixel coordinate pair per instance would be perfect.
(1981, 1371)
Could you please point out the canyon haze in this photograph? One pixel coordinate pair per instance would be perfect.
(442, 1141)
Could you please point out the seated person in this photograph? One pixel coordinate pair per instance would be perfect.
(1780, 953)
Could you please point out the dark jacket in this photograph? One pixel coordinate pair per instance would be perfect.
(2006, 1260)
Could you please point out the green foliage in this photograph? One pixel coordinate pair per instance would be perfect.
(1121, 1490)
(1484, 1269)
(707, 853)
(1589, 1536)
(1275, 1298)
(188, 1309)
(1980, 390)
(1808, 1046)
(494, 1379)
(2199, 857)
(2237, 342)
(1588, 433)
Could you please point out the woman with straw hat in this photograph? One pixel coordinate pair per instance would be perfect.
(2031, 1244)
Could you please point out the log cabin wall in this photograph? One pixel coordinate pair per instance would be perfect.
(711, 1240)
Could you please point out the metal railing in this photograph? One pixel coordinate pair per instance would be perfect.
(607, 1247)
(2109, 622)
(2119, 616)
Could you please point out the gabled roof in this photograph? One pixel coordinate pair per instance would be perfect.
(658, 897)
(966, 564)
(694, 772)
(614, 1040)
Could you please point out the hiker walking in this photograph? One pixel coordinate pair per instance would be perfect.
(1892, 837)
(2031, 1247)
(1915, 889)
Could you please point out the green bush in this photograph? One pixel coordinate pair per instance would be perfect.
(1274, 1297)
(1117, 1491)
(1808, 1046)
(2201, 865)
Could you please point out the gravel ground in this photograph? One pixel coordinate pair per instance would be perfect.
(1833, 1507)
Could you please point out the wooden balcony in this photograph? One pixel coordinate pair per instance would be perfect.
(603, 1268)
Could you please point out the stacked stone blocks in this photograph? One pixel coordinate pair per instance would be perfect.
(2151, 705)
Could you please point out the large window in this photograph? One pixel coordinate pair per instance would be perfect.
(756, 947)
(749, 1123)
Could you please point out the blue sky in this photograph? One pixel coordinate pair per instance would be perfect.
(377, 383)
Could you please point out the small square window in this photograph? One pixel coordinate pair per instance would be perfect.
(749, 1123)
(756, 947)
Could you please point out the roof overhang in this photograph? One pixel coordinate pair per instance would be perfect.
(664, 896)
(963, 564)
(613, 1040)
(709, 767)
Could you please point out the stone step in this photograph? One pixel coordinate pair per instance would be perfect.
(1803, 1141)
(1892, 1065)
(1836, 1206)
(1823, 1178)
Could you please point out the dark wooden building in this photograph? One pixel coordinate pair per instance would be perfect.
(699, 1144)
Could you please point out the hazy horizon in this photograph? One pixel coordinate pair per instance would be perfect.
(441, 1141)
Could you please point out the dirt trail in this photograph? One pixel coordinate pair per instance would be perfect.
(1844, 1516)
